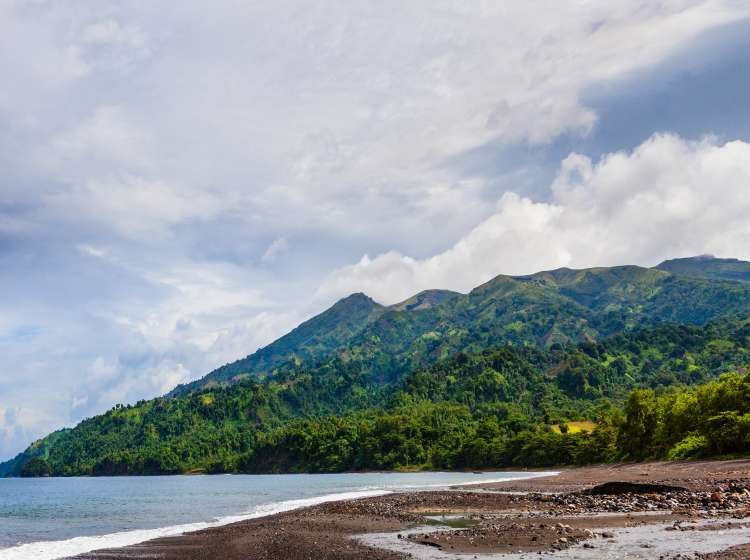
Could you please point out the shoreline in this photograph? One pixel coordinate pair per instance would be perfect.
(537, 516)
(365, 472)
(77, 545)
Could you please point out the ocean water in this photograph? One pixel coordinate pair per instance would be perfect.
(48, 518)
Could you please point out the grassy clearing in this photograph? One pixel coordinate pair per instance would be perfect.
(575, 427)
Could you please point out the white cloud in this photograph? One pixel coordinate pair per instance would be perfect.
(133, 206)
(18, 425)
(12, 431)
(277, 247)
(103, 141)
(669, 197)
(92, 251)
(356, 115)
(109, 32)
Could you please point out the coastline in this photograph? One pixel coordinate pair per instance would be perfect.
(353, 485)
(535, 516)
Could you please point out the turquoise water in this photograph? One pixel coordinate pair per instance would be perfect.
(46, 518)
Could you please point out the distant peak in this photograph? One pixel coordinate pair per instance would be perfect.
(565, 274)
(356, 299)
(425, 299)
(357, 296)
(705, 258)
(708, 266)
(696, 258)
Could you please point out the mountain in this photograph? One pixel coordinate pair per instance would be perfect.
(524, 350)
(542, 309)
(708, 266)
(425, 300)
(338, 418)
(310, 340)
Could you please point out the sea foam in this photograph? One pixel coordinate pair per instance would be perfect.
(52, 550)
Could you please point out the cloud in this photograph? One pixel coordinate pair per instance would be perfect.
(277, 247)
(359, 114)
(132, 205)
(19, 425)
(668, 197)
(110, 32)
(101, 142)
(12, 432)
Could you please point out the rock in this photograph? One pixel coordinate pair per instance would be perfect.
(616, 488)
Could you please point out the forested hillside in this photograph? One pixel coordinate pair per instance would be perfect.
(556, 307)
(498, 407)
(708, 266)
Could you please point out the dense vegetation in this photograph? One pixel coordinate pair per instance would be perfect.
(557, 307)
(708, 266)
(712, 420)
(496, 407)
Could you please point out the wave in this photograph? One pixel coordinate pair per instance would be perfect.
(52, 550)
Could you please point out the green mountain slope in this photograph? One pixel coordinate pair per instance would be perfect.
(306, 343)
(425, 300)
(707, 266)
(310, 420)
(549, 345)
(542, 309)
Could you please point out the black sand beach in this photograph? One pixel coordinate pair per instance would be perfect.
(681, 501)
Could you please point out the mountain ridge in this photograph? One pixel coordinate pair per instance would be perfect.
(341, 318)
(337, 418)
(544, 308)
(552, 343)
(708, 266)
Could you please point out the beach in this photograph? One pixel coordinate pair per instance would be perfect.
(686, 510)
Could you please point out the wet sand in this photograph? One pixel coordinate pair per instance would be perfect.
(707, 511)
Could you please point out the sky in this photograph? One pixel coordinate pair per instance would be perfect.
(182, 183)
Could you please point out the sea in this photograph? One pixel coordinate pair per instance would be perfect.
(49, 518)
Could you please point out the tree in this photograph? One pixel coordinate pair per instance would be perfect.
(35, 467)
(636, 434)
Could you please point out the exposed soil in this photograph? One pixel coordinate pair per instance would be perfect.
(741, 552)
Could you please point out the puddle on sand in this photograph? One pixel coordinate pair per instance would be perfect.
(646, 541)
(450, 521)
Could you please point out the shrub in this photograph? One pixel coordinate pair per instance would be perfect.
(690, 447)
